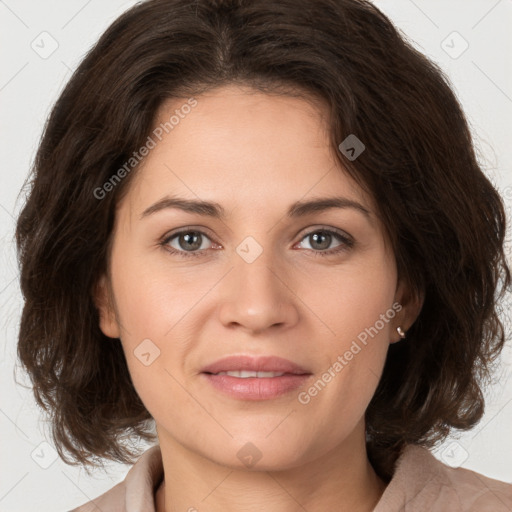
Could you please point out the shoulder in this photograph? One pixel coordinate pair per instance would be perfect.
(137, 488)
(423, 483)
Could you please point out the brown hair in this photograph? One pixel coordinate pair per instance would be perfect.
(445, 219)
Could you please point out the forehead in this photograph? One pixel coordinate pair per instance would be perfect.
(239, 146)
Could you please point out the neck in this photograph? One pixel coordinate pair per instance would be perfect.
(342, 479)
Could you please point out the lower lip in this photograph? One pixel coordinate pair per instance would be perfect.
(256, 388)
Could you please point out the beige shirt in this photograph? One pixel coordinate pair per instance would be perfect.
(420, 483)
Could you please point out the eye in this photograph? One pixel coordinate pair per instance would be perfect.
(187, 243)
(194, 243)
(321, 239)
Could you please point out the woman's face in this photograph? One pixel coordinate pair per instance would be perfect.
(268, 277)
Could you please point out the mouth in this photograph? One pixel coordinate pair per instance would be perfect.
(255, 378)
(243, 374)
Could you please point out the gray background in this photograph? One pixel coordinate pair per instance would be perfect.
(43, 41)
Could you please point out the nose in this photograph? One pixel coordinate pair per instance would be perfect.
(257, 296)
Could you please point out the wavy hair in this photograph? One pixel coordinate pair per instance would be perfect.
(444, 217)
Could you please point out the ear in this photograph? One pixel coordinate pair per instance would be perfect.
(104, 303)
(411, 303)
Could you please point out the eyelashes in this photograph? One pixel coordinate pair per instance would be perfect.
(194, 239)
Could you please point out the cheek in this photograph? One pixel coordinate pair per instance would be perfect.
(156, 308)
(358, 312)
(152, 298)
(357, 304)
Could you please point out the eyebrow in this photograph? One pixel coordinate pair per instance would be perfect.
(215, 210)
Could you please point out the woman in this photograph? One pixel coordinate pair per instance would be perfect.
(171, 272)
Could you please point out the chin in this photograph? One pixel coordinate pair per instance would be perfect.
(259, 453)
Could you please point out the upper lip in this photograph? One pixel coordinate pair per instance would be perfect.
(254, 363)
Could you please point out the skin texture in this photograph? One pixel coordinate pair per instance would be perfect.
(254, 154)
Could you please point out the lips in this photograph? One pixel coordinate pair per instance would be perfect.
(246, 374)
(255, 364)
(255, 378)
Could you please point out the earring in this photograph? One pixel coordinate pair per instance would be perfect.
(401, 332)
